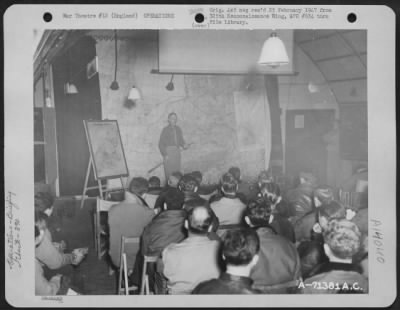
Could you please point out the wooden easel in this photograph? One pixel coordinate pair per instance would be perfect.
(101, 187)
(91, 127)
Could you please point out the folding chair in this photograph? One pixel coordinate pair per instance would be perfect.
(353, 200)
(144, 287)
(101, 205)
(131, 245)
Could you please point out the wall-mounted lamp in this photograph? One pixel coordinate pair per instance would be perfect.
(313, 88)
(47, 99)
(170, 85)
(273, 52)
(70, 89)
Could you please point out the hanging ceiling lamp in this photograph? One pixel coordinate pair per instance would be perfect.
(114, 85)
(134, 94)
(273, 52)
(170, 86)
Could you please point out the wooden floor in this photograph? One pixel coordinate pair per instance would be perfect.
(76, 228)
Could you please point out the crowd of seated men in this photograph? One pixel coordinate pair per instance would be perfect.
(53, 263)
(238, 239)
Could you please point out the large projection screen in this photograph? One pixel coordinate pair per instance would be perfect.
(226, 51)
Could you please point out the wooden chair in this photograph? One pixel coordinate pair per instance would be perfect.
(144, 288)
(101, 205)
(127, 242)
(353, 200)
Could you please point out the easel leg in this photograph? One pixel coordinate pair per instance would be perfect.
(122, 183)
(86, 182)
(100, 189)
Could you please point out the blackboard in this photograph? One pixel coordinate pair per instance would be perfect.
(106, 149)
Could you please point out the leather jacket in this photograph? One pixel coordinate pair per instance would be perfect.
(226, 284)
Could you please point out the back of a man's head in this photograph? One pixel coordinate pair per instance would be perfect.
(235, 171)
(139, 186)
(308, 177)
(188, 184)
(323, 195)
(271, 192)
(229, 184)
(265, 177)
(43, 201)
(174, 179)
(259, 212)
(199, 220)
(40, 217)
(197, 175)
(240, 246)
(154, 182)
(343, 238)
(174, 200)
(332, 210)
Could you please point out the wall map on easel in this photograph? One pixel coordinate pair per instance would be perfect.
(106, 149)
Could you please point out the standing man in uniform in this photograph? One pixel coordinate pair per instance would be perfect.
(170, 144)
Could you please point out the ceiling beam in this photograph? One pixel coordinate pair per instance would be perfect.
(346, 80)
(323, 36)
(155, 71)
(337, 57)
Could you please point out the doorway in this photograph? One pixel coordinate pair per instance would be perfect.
(306, 149)
(71, 110)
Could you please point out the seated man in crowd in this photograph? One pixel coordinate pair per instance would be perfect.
(229, 208)
(153, 191)
(199, 202)
(170, 189)
(271, 192)
(44, 287)
(204, 191)
(263, 178)
(165, 228)
(44, 202)
(189, 186)
(323, 195)
(240, 251)
(341, 243)
(300, 199)
(154, 185)
(326, 213)
(279, 262)
(51, 254)
(311, 254)
(128, 218)
(235, 171)
(195, 259)
(242, 189)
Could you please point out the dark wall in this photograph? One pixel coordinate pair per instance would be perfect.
(71, 110)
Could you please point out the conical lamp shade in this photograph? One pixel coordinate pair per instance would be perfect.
(70, 89)
(273, 52)
(134, 94)
(313, 88)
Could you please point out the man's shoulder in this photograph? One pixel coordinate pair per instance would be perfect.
(276, 240)
(207, 286)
